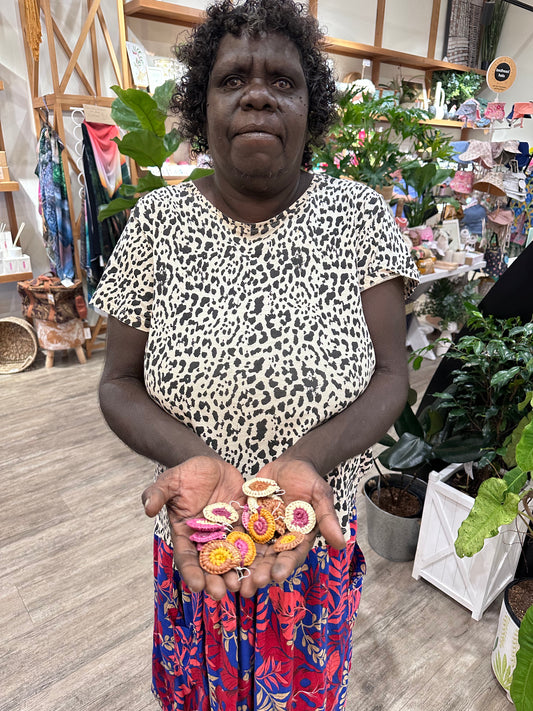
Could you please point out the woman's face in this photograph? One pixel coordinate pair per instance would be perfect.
(257, 108)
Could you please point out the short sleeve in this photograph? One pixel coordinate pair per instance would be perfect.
(382, 252)
(126, 289)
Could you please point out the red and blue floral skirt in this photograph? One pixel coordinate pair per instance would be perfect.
(287, 648)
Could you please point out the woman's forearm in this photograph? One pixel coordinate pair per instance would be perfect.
(144, 426)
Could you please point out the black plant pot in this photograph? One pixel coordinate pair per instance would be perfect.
(393, 537)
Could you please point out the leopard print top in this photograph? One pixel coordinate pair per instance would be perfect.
(256, 331)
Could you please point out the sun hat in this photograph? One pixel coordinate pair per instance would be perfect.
(491, 183)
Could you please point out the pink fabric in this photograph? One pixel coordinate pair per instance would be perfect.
(495, 110)
(462, 181)
(106, 154)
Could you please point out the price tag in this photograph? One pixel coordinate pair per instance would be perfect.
(51, 298)
(87, 333)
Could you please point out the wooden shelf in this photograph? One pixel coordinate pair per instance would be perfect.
(162, 11)
(22, 276)
(391, 56)
(8, 186)
(70, 101)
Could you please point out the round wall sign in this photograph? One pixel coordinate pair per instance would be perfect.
(501, 74)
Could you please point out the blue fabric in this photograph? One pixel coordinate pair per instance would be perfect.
(473, 219)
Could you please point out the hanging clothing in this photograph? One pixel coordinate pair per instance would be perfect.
(105, 170)
(53, 204)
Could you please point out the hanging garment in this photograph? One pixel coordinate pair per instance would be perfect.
(53, 204)
(473, 218)
(470, 112)
(105, 170)
(521, 110)
(495, 110)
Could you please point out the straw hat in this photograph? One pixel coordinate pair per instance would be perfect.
(491, 183)
(18, 345)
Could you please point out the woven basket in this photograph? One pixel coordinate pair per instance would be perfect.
(18, 345)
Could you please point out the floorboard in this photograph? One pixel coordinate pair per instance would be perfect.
(76, 608)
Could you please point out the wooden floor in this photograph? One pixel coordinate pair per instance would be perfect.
(76, 608)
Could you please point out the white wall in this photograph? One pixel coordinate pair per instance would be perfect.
(406, 29)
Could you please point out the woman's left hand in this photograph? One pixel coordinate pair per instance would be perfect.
(300, 481)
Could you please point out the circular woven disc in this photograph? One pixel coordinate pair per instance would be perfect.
(288, 541)
(218, 557)
(261, 526)
(206, 536)
(300, 516)
(203, 524)
(220, 512)
(259, 486)
(244, 544)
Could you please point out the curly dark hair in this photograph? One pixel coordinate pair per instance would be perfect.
(255, 17)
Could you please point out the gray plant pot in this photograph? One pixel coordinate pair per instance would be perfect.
(393, 537)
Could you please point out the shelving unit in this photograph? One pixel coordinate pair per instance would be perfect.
(162, 11)
(56, 104)
(7, 187)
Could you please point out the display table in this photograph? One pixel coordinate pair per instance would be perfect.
(417, 331)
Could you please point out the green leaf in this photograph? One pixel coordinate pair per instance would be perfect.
(144, 147)
(522, 685)
(524, 448)
(502, 377)
(172, 140)
(146, 184)
(124, 117)
(114, 207)
(515, 479)
(461, 448)
(163, 94)
(387, 440)
(198, 173)
(493, 507)
(412, 396)
(409, 451)
(146, 109)
(408, 422)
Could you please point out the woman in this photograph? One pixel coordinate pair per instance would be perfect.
(256, 327)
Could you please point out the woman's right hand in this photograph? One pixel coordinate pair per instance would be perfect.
(185, 490)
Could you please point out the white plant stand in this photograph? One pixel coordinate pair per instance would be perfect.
(474, 582)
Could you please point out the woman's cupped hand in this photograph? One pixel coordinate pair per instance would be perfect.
(187, 488)
(300, 481)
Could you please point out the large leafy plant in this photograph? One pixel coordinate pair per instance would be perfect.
(146, 140)
(371, 139)
(482, 407)
(425, 178)
(499, 502)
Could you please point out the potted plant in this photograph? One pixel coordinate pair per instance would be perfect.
(394, 499)
(425, 177)
(501, 501)
(371, 139)
(481, 408)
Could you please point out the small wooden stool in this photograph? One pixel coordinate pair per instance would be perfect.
(60, 337)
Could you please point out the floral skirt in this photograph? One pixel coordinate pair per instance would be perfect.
(287, 648)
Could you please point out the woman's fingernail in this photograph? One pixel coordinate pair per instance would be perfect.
(147, 503)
